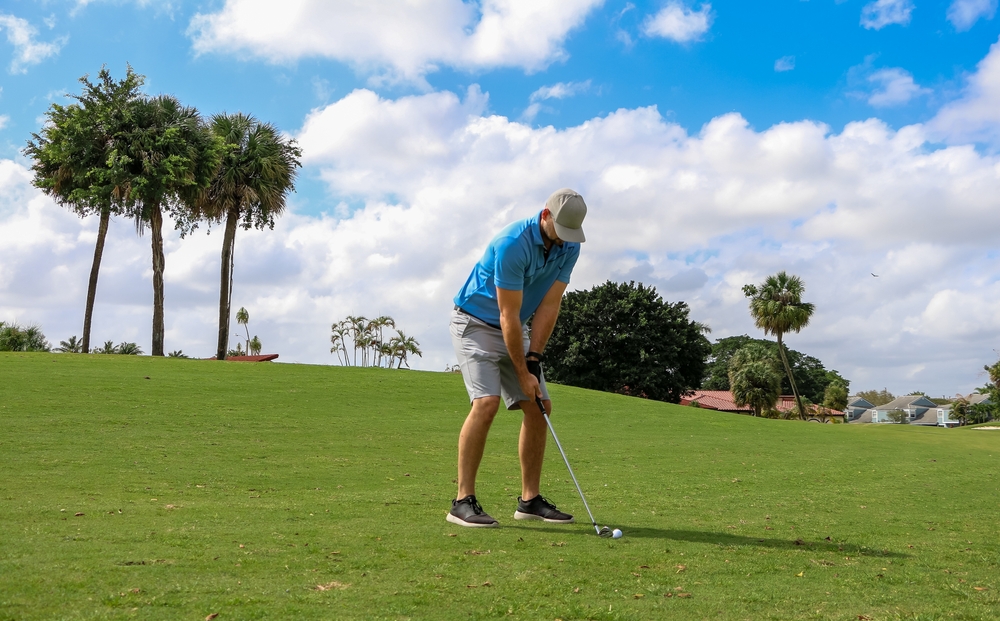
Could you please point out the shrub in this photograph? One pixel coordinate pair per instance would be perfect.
(14, 337)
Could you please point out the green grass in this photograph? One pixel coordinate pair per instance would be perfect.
(237, 489)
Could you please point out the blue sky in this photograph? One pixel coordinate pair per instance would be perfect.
(729, 68)
(716, 143)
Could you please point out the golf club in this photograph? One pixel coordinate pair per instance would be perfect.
(601, 531)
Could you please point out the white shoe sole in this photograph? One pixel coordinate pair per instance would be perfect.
(454, 520)
(531, 516)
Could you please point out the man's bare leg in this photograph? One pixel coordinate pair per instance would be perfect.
(472, 442)
(531, 447)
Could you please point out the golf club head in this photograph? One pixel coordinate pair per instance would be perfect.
(604, 532)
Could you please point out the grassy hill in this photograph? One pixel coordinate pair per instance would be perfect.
(133, 487)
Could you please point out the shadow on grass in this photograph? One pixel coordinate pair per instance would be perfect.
(731, 540)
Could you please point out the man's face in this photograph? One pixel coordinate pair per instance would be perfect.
(549, 227)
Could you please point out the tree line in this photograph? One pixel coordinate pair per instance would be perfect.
(361, 342)
(624, 338)
(116, 151)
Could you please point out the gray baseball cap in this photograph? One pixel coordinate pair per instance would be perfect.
(568, 211)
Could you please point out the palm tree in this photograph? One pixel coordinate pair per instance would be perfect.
(169, 158)
(777, 308)
(70, 159)
(254, 346)
(755, 384)
(249, 189)
(71, 346)
(128, 349)
(358, 327)
(339, 339)
(242, 318)
(380, 323)
(754, 377)
(403, 345)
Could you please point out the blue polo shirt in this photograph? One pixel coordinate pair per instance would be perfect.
(515, 260)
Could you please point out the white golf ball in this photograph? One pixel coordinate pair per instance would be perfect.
(616, 534)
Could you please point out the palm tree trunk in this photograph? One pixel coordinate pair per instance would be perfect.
(226, 283)
(88, 315)
(791, 378)
(156, 226)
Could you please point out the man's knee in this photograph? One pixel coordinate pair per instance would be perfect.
(486, 407)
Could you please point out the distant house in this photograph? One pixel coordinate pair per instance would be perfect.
(815, 413)
(919, 410)
(723, 401)
(944, 418)
(857, 410)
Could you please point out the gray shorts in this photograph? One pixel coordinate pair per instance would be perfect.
(485, 362)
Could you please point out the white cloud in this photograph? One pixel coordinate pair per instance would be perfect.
(881, 13)
(560, 90)
(679, 23)
(893, 87)
(963, 14)
(425, 181)
(27, 51)
(4, 119)
(785, 63)
(975, 116)
(408, 38)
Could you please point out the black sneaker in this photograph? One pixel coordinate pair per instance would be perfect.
(540, 509)
(467, 512)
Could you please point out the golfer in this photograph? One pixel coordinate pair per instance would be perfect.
(522, 274)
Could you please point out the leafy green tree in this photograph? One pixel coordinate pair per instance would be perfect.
(754, 379)
(14, 337)
(717, 367)
(811, 377)
(900, 417)
(70, 159)
(777, 308)
(256, 173)
(624, 338)
(167, 159)
(960, 411)
(981, 413)
(877, 397)
(835, 396)
(71, 346)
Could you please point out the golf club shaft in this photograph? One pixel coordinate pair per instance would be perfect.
(566, 460)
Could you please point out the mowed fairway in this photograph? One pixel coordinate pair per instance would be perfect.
(133, 487)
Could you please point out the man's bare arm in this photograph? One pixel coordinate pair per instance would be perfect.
(510, 322)
(545, 317)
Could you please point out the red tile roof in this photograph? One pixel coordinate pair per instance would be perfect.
(722, 400)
